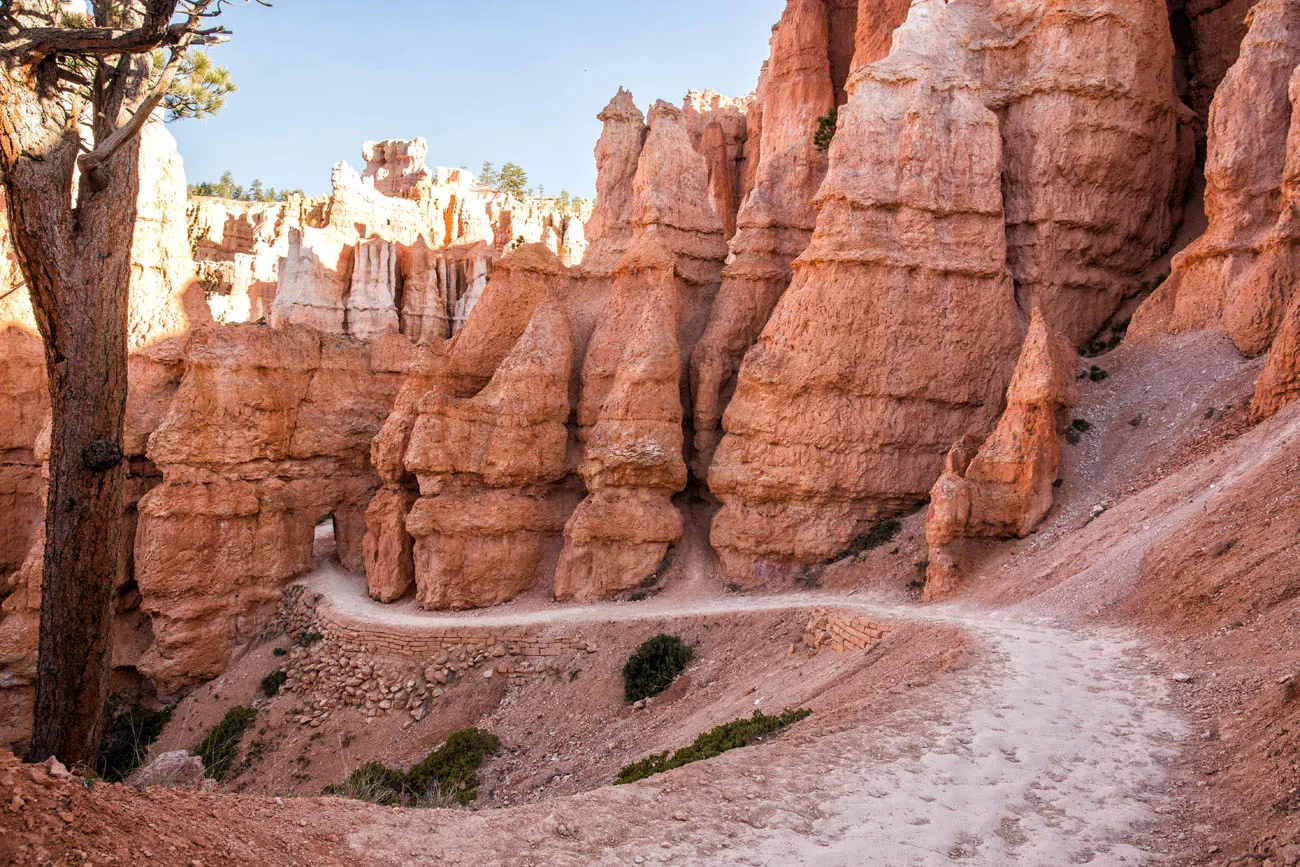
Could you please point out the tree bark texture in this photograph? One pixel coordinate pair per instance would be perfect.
(75, 254)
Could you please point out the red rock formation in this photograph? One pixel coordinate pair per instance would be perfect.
(520, 282)
(867, 370)
(1003, 487)
(1216, 28)
(1237, 277)
(608, 230)
(777, 217)
(630, 425)
(267, 436)
(24, 405)
(491, 510)
(1279, 383)
(845, 406)
(719, 131)
(488, 467)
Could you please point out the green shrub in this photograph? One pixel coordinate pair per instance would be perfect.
(219, 748)
(881, 533)
(826, 125)
(715, 742)
(654, 665)
(272, 682)
(129, 731)
(447, 776)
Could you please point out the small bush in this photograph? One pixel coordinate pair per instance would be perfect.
(272, 682)
(654, 665)
(826, 125)
(306, 639)
(715, 742)
(447, 776)
(279, 651)
(1096, 374)
(129, 731)
(881, 533)
(1082, 425)
(219, 748)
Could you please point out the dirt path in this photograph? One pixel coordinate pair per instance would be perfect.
(1049, 752)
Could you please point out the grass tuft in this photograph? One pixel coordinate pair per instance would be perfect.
(219, 748)
(729, 736)
(272, 682)
(128, 732)
(446, 777)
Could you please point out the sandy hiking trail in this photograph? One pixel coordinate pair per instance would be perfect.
(1051, 750)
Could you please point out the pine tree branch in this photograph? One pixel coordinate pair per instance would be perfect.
(91, 163)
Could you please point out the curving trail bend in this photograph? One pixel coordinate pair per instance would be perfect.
(1049, 751)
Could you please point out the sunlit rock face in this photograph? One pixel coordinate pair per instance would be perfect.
(1002, 487)
(550, 437)
(398, 247)
(802, 82)
(268, 435)
(1004, 156)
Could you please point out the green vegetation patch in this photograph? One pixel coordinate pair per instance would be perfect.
(654, 666)
(272, 682)
(715, 742)
(130, 729)
(826, 126)
(447, 776)
(219, 748)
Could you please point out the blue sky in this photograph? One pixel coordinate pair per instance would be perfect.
(499, 80)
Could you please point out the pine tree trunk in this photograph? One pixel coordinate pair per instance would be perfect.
(79, 283)
(73, 238)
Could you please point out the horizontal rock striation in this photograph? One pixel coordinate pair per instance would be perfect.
(990, 164)
(268, 435)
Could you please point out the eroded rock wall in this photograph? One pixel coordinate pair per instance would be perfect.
(1002, 487)
(551, 434)
(802, 81)
(1238, 277)
(990, 164)
(630, 429)
(268, 435)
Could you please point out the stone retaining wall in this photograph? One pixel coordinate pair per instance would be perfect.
(379, 670)
(842, 632)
